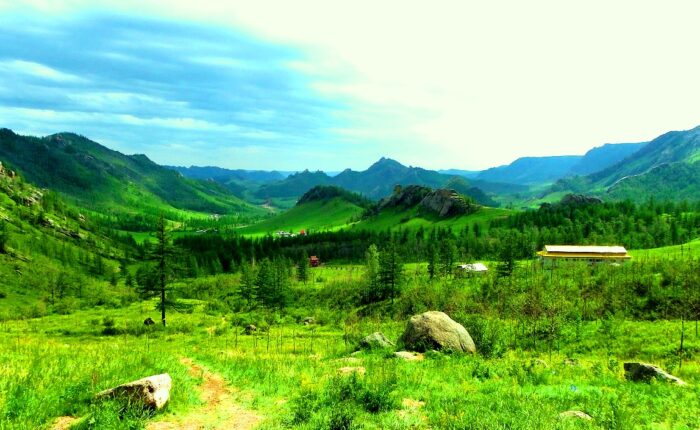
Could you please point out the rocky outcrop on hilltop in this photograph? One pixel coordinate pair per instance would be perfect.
(446, 203)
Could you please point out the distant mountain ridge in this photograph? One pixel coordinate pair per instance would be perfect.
(531, 170)
(542, 170)
(665, 168)
(376, 182)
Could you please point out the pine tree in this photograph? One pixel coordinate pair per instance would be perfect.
(448, 252)
(371, 290)
(247, 287)
(153, 280)
(390, 272)
(303, 269)
(432, 261)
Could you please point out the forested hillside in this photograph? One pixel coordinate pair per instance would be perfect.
(102, 179)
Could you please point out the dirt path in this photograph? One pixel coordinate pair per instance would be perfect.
(219, 411)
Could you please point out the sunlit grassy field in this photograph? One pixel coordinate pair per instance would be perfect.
(289, 373)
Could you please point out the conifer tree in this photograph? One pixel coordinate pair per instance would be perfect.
(303, 268)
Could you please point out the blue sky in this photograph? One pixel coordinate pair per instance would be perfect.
(328, 85)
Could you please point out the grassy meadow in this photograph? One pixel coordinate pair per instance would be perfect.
(292, 375)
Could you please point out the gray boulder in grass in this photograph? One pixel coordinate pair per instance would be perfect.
(635, 371)
(436, 331)
(153, 392)
(375, 340)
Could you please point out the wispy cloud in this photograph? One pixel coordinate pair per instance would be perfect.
(144, 83)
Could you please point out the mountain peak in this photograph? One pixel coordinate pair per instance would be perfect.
(386, 162)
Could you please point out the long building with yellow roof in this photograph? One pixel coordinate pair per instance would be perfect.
(585, 253)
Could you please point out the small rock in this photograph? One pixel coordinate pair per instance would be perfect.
(153, 391)
(309, 321)
(352, 369)
(635, 371)
(375, 340)
(409, 356)
(148, 321)
(250, 329)
(575, 414)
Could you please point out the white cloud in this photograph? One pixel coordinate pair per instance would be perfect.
(37, 70)
(470, 84)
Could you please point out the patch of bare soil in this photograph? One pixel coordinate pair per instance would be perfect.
(63, 423)
(219, 411)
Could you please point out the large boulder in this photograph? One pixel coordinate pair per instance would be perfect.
(436, 331)
(375, 340)
(153, 392)
(635, 371)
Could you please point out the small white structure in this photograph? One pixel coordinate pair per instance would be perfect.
(473, 268)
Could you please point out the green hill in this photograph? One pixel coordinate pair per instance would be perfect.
(318, 215)
(53, 258)
(681, 181)
(101, 179)
(413, 220)
(322, 208)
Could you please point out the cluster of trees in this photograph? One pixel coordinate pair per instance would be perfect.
(520, 235)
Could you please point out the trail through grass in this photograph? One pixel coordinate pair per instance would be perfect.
(218, 411)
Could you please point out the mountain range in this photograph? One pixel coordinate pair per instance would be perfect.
(100, 178)
(540, 170)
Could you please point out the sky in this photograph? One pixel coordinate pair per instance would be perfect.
(328, 85)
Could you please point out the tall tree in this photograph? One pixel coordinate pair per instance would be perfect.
(247, 288)
(163, 250)
(448, 254)
(303, 268)
(370, 292)
(390, 272)
(432, 261)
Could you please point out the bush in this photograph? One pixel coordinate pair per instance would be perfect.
(488, 335)
(109, 327)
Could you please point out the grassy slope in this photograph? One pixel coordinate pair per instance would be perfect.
(410, 220)
(312, 216)
(687, 250)
(38, 254)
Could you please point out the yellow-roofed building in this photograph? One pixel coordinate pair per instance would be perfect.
(593, 254)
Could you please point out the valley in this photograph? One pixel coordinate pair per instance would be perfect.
(91, 240)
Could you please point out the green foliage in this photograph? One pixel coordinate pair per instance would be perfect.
(328, 192)
(303, 268)
(4, 236)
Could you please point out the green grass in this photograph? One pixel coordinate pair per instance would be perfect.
(313, 216)
(289, 374)
(687, 250)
